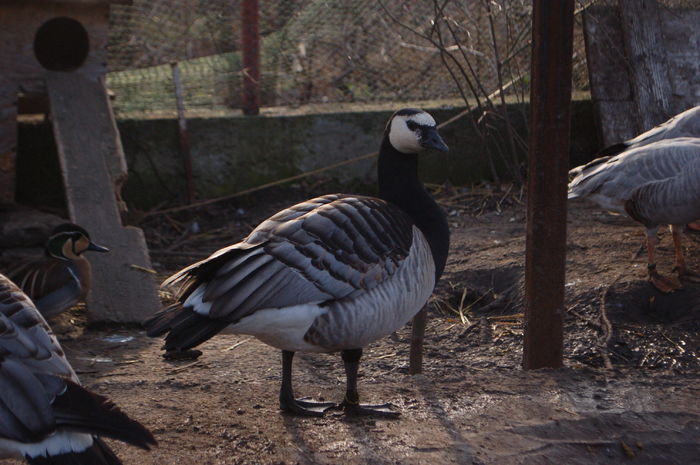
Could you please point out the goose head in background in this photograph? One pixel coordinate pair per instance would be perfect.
(68, 241)
(63, 277)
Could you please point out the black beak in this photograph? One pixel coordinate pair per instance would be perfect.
(431, 139)
(97, 248)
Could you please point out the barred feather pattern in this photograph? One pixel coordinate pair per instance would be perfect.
(338, 266)
(656, 184)
(43, 409)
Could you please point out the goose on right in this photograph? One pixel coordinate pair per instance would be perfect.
(655, 184)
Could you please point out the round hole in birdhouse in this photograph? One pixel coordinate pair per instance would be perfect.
(61, 44)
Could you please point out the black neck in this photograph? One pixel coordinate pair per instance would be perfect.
(399, 184)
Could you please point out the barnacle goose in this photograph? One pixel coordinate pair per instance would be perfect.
(46, 417)
(655, 184)
(333, 273)
(63, 277)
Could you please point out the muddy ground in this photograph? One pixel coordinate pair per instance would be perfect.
(473, 404)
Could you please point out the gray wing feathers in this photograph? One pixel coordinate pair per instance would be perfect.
(324, 249)
(356, 321)
(685, 124)
(673, 200)
(25, 335)
(24, 400)
(623, 174)
(656, 184)
(27, 349)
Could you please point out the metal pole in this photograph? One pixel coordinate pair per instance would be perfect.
(183, 132)
(545, 253)
(250, 43)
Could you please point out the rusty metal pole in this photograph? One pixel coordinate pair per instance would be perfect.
(250, 44)
(182, 131)
(545, 253)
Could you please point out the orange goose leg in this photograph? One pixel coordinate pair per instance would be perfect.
(681, 268)
(662, 283)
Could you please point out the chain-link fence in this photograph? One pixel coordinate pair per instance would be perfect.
(317, 51)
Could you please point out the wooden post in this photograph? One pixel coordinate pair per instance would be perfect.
(609, 72)
(646, 50)
(8, 140)
(415, 358)
(545, 254)
(184, 134)
(86, 136)
(250, 43)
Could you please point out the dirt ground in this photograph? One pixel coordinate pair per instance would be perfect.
(473, 404)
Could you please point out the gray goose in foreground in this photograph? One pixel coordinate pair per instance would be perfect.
(62, 278)
(655, 184)
(334, 273)
(46, 417)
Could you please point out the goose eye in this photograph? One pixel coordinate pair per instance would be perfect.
(412, 125)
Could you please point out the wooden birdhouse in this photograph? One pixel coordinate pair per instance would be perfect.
(52, 54)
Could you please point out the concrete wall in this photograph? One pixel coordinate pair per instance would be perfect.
(234, 153)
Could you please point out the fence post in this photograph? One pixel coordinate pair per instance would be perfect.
(250, 44)
(545, 253)
(182, 131)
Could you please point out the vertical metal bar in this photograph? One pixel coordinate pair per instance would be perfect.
(182, 130)
(250, 44)
(545, 254)
(8, 140)
(415, 364)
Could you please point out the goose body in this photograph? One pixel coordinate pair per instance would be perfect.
(333, 273)
(46, 417)
(62, 278)
(655, 184)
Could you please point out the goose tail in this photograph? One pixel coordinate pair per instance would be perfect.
(184, 327)
(82, 411)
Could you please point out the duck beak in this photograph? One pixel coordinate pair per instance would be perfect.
(97, 248)
(431, 139)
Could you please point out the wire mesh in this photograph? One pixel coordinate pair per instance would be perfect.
(318, 51)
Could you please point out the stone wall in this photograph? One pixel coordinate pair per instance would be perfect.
(235, 153)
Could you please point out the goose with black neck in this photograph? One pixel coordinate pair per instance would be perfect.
(331, 274)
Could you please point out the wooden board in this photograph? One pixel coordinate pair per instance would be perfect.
(609, 76)
(88, 142)
(682, 50)
(646, 51)
(8, 140)
(643, 63)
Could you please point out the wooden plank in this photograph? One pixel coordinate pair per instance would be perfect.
(611, 90)
(682, 38)
(618, 121)
(548, 158)
(8, 140)
(86, 137)
(646, 51)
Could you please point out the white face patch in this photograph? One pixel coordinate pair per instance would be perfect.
(402, 138)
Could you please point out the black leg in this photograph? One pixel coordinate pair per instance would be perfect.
(287, 401)
(351, 404)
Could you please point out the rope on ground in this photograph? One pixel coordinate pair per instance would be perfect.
(260, 187)
(605, 324)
